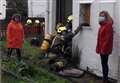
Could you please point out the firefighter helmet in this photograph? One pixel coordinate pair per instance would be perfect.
(61, 29)
(37, 21)
(70, 18)
(59, 25)
(29, 21)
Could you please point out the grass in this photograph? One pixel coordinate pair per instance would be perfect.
(30, 51)
(41, 75)
(9, 79)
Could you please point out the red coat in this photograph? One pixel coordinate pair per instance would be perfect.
(15, 35)
(105, 39)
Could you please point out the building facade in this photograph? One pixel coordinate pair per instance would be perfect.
(87, 11)
(86, 40)
(2, 9)
(83, 11)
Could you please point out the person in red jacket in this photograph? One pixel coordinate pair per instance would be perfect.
(15, 36)
(105, 41)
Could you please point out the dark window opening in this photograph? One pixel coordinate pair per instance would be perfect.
(85, 13)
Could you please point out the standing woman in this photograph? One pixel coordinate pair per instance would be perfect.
(105, 42)
(15, 36)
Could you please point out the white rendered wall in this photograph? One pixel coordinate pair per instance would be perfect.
(37, 8)
(2, 9)
(86, 40)
(46, 9)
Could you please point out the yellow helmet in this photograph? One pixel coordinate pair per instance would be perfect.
(69, 18)
(37, 21)
(61, 29)
(59, 25)
(29, 21)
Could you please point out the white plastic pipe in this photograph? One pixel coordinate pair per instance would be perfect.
(118, 8)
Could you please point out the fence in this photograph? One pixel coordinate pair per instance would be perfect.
(2, 33)
(33, 30)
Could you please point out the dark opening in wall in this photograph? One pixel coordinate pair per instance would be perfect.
(63, 10)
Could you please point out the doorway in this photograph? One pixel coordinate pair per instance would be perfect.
(63, 10)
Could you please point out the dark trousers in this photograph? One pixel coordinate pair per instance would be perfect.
(18, 51)
(105, 67)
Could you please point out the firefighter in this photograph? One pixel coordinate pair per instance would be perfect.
(69, 23)
(29, 23)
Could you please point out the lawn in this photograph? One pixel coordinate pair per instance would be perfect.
(29, 70)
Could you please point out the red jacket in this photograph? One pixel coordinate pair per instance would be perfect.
(15, 35)
(105, 39)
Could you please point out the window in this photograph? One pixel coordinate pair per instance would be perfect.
(85, 13)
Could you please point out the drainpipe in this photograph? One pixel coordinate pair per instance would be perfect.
(52, 15)
(31, 8)
(48, 3)
(118, 11)
(47, 17)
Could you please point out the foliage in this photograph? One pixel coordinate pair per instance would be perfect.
(19, 6)
(25, 68)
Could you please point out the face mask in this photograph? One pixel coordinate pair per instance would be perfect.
(101, 18)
